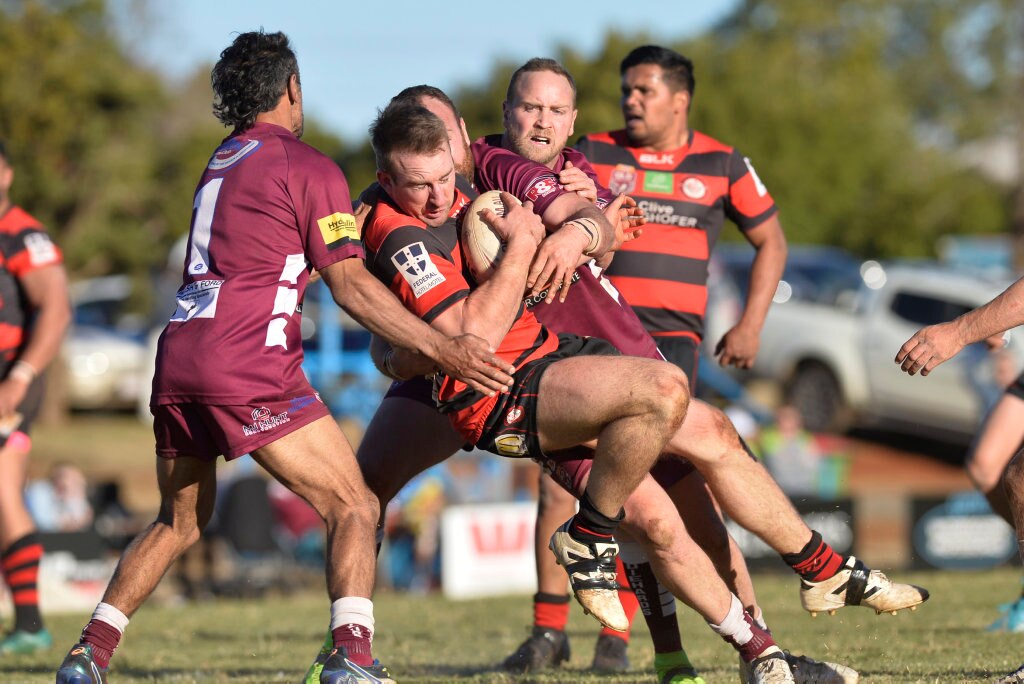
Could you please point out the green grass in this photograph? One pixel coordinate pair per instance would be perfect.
(429, 639)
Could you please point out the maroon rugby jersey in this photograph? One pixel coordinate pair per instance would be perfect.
(267, 207)
(686, 194)
(423, 267)
(24, 247)
(593, 307)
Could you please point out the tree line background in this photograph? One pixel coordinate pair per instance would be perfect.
(856, 113)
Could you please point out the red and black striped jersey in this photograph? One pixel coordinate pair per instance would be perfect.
(686, 194)
(24, 247)
(423, 267)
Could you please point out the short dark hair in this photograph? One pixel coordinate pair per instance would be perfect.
(540, 64)
(406, 127)
(415, 94)
(250, 77)
(3, 152)
(678, 69)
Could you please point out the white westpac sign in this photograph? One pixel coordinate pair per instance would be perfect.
(487, 550)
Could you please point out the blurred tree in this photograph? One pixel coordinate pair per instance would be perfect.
(837, 103)
(82, 121)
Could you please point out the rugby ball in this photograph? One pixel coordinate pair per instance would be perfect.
(482, 249)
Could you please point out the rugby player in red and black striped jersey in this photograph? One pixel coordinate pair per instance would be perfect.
(34, 313)
(562, 396)
(687, 184)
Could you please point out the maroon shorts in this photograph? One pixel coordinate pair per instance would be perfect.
(207, 431)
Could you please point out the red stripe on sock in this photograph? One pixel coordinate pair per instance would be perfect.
(31, 553)
(822, 564)
(551, 615)
(25, 576)
(25, 597)
(584, 530)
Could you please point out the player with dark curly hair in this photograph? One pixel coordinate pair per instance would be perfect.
(228, 378)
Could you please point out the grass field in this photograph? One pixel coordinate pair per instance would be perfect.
(429, 639)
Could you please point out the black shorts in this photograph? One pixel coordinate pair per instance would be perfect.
(29, 406)
(511, 426)
(1016, 388)
(684, 352)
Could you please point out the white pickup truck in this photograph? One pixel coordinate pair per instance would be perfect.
(836, 361)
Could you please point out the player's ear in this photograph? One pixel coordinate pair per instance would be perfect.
(294, 89)
(385, 180)
(682, 101)
(465, 131)
(572, 121)
(506, 109)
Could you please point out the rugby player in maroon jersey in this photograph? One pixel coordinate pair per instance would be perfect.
(228, 380)
(34, 314)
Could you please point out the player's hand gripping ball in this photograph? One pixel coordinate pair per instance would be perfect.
(482, 248)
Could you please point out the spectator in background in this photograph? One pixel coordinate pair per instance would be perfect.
(60, 503)
(34, 313)
(791, 454)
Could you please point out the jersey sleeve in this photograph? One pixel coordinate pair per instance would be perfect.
(28, 249)
(420, 272)
(324, 209)
(748, 203)
(500, 169)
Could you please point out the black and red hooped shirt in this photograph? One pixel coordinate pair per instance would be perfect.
(686, 194)
(24, 247)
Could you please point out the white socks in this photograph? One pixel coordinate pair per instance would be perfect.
(112, 616)
(352, 610)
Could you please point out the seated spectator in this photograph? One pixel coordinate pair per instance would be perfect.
(60, 503)
(790, 453)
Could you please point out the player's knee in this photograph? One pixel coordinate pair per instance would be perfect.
(184, 529)
(670, 392)
(361, 511)
(661, 534)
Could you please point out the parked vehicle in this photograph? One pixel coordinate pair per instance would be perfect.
(835, 360)
(104, 350)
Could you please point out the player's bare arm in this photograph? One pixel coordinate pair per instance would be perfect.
(582, 230)
(465, 357)
(46, 289)
(738, 347)
(935, 344)
(491, 309)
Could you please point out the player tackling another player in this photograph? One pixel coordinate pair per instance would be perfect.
(228, 378)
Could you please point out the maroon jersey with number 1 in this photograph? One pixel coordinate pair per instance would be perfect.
(267, 208)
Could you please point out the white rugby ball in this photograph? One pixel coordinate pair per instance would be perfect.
(482, 249)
